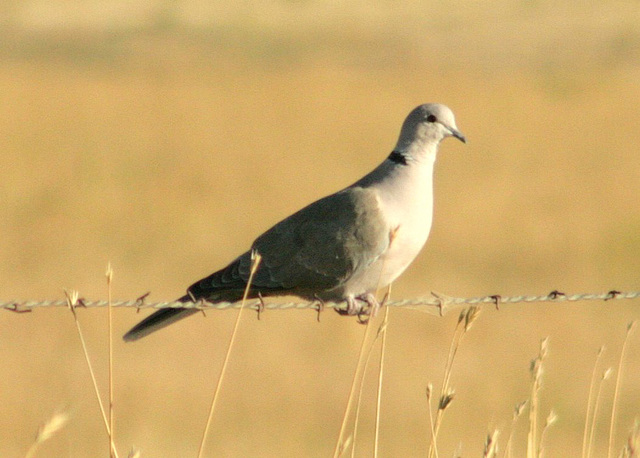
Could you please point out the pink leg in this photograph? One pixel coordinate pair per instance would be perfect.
(373, 304)
(353, 307)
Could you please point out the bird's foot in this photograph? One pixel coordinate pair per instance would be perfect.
(319, 303)
(365, 305)
(372, 302)
(371, 311)
(354, 307)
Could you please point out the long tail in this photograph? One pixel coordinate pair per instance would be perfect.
(158, 320)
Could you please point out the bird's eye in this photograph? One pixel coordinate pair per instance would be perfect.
(431, 118)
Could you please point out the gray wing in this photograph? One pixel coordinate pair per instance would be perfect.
(316, 249)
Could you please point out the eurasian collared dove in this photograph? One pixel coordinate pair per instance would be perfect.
(345, 246)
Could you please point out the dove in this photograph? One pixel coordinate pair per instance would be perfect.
(343, 247)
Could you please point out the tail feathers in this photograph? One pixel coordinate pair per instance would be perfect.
(158, 320)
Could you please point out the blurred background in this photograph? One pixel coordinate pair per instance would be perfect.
(163, 137)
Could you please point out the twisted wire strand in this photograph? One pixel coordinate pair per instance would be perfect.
(439, 301)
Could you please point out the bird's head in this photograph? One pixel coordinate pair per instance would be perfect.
(426, 126)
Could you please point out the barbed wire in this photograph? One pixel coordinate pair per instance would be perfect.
(439, 303)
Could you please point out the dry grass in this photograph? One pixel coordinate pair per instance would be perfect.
(167, 157)
(346, 440)
(73, 302)
(255, 262)
(109, 275)
(447, 392)
(517, 412)
(536, 369)
(616, 393)
(47, 431)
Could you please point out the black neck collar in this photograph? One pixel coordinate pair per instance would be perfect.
(397, 158)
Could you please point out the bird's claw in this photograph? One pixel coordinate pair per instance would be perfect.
(356, 307)
(319, 303)
(261, 306)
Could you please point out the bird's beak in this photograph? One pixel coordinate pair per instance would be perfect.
(456, 133)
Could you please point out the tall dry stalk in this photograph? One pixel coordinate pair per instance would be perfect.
(383, 329)
(342, 443)
(551, 419)
(605, 376)
(517, 412)
(72, 300)
(255, 262)
(354, 436)
(536, 370)
(630, 328)
(465, 321)
(592, 385)
(109, 275)
(383, 348)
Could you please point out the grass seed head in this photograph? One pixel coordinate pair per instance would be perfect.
(551, 419)
(491, 445)
(544, 347)
(517, 411)
(446, 399)
(632, 447)
(109, 273)
(51, 427)
(470, 316)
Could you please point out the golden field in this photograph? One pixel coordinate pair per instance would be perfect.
(165, 140)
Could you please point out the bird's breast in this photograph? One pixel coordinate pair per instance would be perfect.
(408, 207)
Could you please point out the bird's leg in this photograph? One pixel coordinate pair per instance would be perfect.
(372, 311)
(353, 307)
(372, 302)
